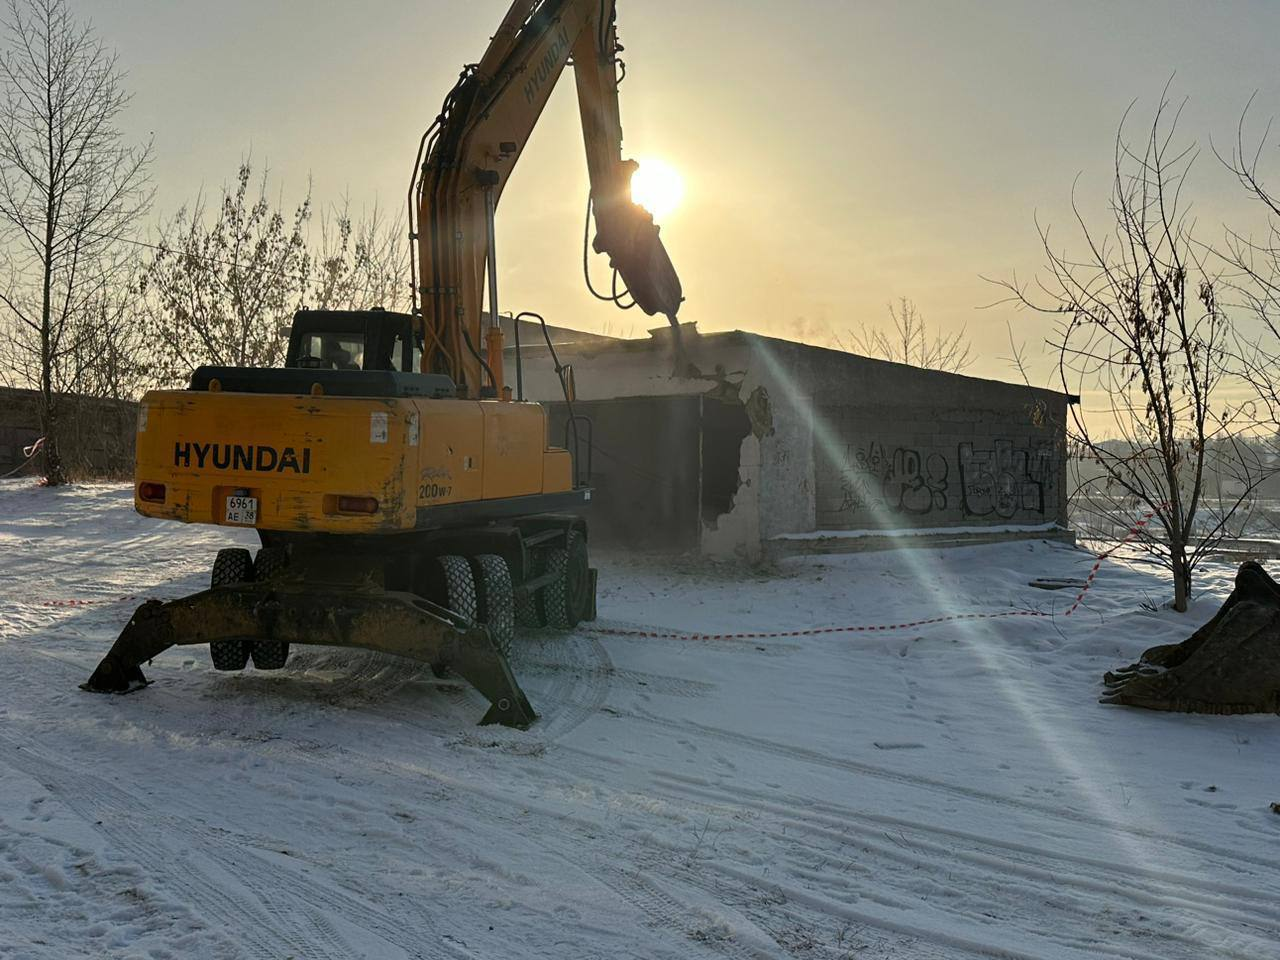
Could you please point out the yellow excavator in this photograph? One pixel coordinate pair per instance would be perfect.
(404, 500)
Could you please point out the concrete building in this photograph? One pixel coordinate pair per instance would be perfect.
(760, 446)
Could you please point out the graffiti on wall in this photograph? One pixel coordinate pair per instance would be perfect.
(901, 480)
(1000, 480)
(1003, 479)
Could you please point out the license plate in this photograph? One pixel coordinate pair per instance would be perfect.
(242, 510)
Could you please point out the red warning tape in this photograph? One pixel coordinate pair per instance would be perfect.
(815, 631)
(86, 603)
(1133, 532)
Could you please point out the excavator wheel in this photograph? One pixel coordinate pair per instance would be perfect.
(449, 582)
(459, 587)
(269, 654)
(527, 609)
(495, 599)
(232, 565)
(526, 612)
(565, 601)
(269, 562)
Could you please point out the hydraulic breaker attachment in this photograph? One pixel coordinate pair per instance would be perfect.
(402, 624)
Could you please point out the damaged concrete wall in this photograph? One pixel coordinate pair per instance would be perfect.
(762, 450)
(833, 441)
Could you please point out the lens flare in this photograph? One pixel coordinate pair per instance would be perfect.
(658, 187)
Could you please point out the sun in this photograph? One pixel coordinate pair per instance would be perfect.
(658, 187)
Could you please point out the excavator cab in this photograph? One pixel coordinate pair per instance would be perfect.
(374, 339)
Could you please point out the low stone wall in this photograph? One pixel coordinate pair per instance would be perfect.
(96, 437)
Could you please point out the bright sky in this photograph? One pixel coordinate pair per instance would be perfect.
(837, 154)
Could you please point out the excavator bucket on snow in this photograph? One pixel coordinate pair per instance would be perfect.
(1230, 665)
(403, 624)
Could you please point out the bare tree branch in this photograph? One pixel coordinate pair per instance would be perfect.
(71, 190)
(910, 341)
(219, 286)
(1142, 335)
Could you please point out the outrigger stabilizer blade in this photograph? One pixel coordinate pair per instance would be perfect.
(402, 624)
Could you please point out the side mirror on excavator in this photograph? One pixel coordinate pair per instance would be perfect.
(570, 384)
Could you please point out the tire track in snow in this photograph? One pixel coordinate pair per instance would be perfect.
(795, 918)
(571, 839)
(654, 683)
(828, 816)
(402, 931)
(1034, 892)
(398, 930)
(637, 887)
(811, 909)
(88, 799)
(276, 892)
(594, 856)
(663, 636)
(52, 881)
(638, 890)
(664, 685)
(794, 752)
(580, 668)
(661, 909)
(727, 890)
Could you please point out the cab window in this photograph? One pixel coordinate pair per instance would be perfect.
(398, 358)
(332, 351)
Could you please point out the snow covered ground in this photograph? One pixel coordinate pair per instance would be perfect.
(948, 792)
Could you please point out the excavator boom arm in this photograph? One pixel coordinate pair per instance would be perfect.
(472, 150)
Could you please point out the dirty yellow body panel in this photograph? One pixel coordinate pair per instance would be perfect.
(305, 459)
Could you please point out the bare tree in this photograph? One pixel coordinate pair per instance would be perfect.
(70, 190)
(911, 341)
(218, 292)
(361, 264)
(1255, 268)
(1144, 338)
(114, 353)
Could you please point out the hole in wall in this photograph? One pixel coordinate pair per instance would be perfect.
(725, 424)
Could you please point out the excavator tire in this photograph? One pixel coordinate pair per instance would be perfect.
(495, 599)
(269, 654)
(459, 587)
(527, 609)
(231, 565)
(269, 562)
(566, 599)
(449, 581)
